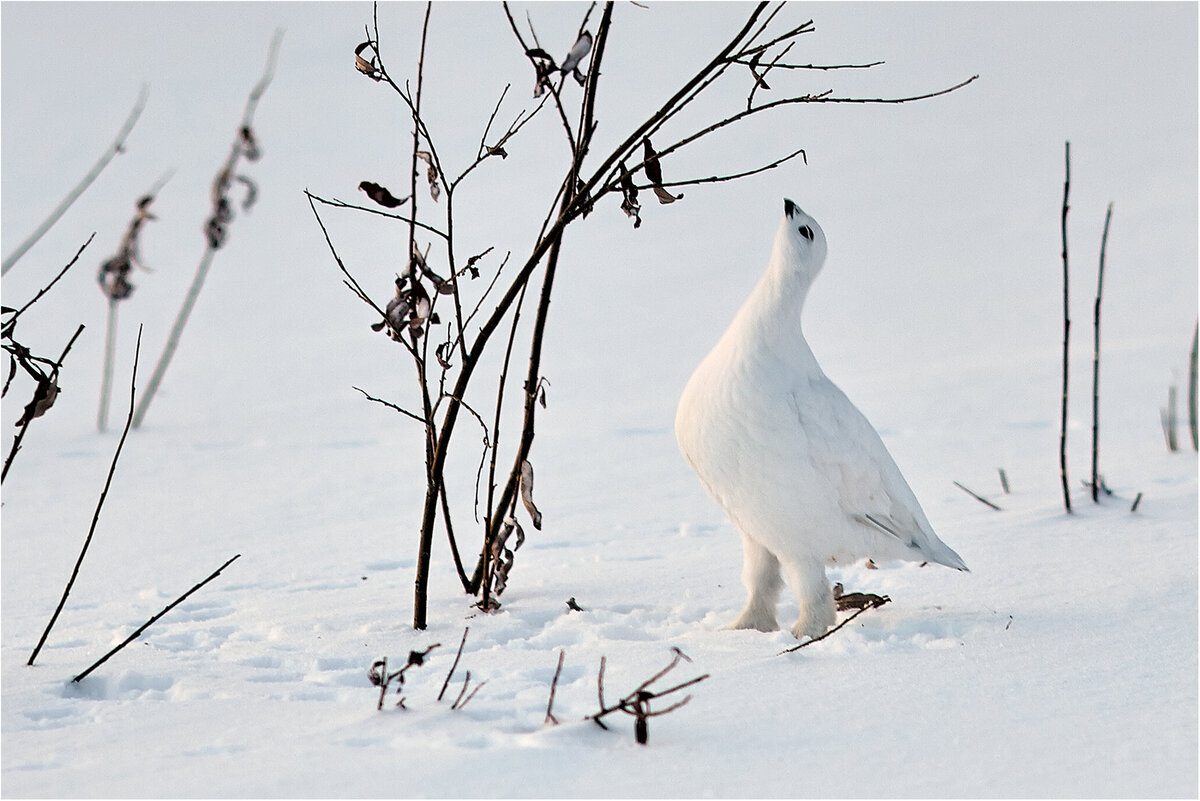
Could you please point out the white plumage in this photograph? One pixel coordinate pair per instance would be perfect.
(800, 471)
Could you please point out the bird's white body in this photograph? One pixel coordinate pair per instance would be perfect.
(802, 474)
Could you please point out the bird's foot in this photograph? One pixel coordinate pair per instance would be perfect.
(755, 618)
(815, 619)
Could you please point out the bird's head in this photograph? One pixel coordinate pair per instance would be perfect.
(800, 244)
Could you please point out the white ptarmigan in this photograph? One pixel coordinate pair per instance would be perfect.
(800, 471)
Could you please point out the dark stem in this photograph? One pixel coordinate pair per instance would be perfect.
(562, 654)
(1192, 423)
(832, 630)
(457, 656)
(1096, 365)
(100, 505)
(980, 498)
(1062, 438)
(152, 620)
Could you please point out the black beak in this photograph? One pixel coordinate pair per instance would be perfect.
(790, 208)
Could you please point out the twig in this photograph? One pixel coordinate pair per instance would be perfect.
(110, 347)
(1096, 364)
(1062, 438)
(562, 654)
(1003, 481)
(457, 656)
(883, 600)
(116, 147)
(390, 405)
(979, 498)
(1136, 501)
(1169, 419)
(96, 515)
(458, 705)
(1192, 390)
(242, 141)
(11, 322)
(152, 620)
(637, 703)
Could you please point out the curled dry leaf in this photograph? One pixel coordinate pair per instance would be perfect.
(397, 312)
(250, 148)
(44, 396)
(431, 174)
(543, 65)
(381, 195)
(368, 68)
(471, 262)
(629, 193)
(497, 151)
(502, 556)
(114, 277)
(527, 494)
(654, 173)
(442, 352)
(579, 50)
(251, 192)
(758, 79)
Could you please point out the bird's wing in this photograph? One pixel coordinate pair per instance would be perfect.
(844, 446)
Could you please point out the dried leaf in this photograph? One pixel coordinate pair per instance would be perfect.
(543, 65)
(431, 174)
(442, 352)
(216, 232)
(368, 68)
(250, 148)
(396, 313)
(579, 50)
(758, 79)
(629, 193)
(251, 192)
(44, 396)
(376, 673)
(471, 268)
(664, 196)
(527, 494)
(114, 277)
(654, 173)
(497, 151)
(381, 195)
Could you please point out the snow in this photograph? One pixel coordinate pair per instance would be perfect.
(1064, 664)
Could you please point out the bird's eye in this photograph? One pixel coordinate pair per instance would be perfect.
(806, 232)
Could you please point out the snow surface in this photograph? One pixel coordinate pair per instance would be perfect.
(1064, 664)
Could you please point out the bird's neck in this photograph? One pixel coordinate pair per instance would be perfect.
(769, 321)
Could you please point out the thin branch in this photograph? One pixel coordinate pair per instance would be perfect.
(96, 515)
(152, 620)
(118, 146)
(11, 322)
(242, 143)
(979, 498)
(562, 654)
(720, 178)
(1066, 353)
(883, 600)
(341, 204)
(780, 66)
(1096, 364)
(391, 405)
(457, 656)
